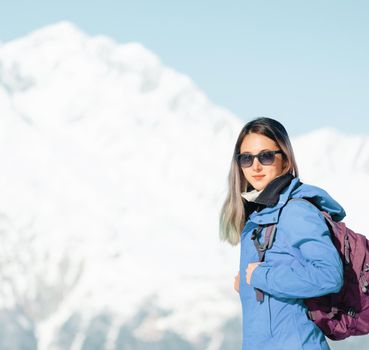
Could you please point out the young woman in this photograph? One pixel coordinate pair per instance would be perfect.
(302, 261)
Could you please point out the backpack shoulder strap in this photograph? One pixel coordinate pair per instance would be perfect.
(261, 248)
(268, 240)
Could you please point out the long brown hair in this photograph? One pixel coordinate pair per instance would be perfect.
(232, 214)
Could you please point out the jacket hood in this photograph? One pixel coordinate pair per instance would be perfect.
(296, 189)
(321, 199)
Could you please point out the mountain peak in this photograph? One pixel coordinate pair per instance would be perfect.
(64, 39)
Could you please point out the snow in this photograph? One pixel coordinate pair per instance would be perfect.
(114, 170)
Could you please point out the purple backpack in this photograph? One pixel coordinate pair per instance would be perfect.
(338, 315)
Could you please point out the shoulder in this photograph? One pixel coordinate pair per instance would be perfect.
(300, 211)
(300, 204)
(301, 221)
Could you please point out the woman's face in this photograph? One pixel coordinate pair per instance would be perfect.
(258, 175)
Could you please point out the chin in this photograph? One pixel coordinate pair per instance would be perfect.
(259, 185)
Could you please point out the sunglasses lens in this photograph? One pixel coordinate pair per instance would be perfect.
(266, 158)
(245, 160)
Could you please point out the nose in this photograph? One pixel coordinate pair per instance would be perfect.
(256, 165)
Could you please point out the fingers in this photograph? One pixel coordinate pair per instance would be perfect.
(250, 269)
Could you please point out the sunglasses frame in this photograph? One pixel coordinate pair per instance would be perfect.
(238, 156)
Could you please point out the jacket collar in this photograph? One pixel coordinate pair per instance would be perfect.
(273, 198)
(270, 195)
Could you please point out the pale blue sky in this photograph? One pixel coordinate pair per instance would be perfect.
(303, 62)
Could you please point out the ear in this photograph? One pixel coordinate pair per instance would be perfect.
(284, 164)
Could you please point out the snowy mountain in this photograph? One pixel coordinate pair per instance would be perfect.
(114, 169)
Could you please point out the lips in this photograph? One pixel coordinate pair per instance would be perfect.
(258, 177)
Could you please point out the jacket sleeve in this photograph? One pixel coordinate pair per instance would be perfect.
(317, 268)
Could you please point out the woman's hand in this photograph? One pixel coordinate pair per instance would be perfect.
(250, 269)
(236, 284)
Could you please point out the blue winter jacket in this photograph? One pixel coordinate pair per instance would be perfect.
(302, 263)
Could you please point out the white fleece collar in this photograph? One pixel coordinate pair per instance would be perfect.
(250, 196)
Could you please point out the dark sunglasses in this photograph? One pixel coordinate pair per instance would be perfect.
(245, 160)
